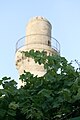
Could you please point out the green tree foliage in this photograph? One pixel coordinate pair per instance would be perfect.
(54, 96)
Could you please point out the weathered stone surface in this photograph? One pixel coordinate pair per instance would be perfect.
(38, 34)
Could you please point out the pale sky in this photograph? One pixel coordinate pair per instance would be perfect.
(64, 16)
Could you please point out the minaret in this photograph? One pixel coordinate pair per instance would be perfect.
(38, 37)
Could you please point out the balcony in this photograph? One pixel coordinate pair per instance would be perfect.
(54, 43)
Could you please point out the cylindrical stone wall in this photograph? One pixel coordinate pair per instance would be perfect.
(38, 31)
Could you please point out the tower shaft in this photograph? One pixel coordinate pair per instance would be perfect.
(38, 37)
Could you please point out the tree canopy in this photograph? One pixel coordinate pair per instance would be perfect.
(54, 96)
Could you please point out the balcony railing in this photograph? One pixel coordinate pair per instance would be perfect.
(54, 43)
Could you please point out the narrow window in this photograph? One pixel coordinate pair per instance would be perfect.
(28, 60)
(49, 43)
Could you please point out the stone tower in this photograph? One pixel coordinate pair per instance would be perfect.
(38, 37)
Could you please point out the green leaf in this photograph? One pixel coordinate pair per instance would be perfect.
(45, 92)
(1, 82)
(11, 112)
(13, 105)
(6, 78)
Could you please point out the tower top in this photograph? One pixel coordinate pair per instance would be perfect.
(39, 18)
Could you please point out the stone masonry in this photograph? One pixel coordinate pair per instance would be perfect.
(38, 37)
